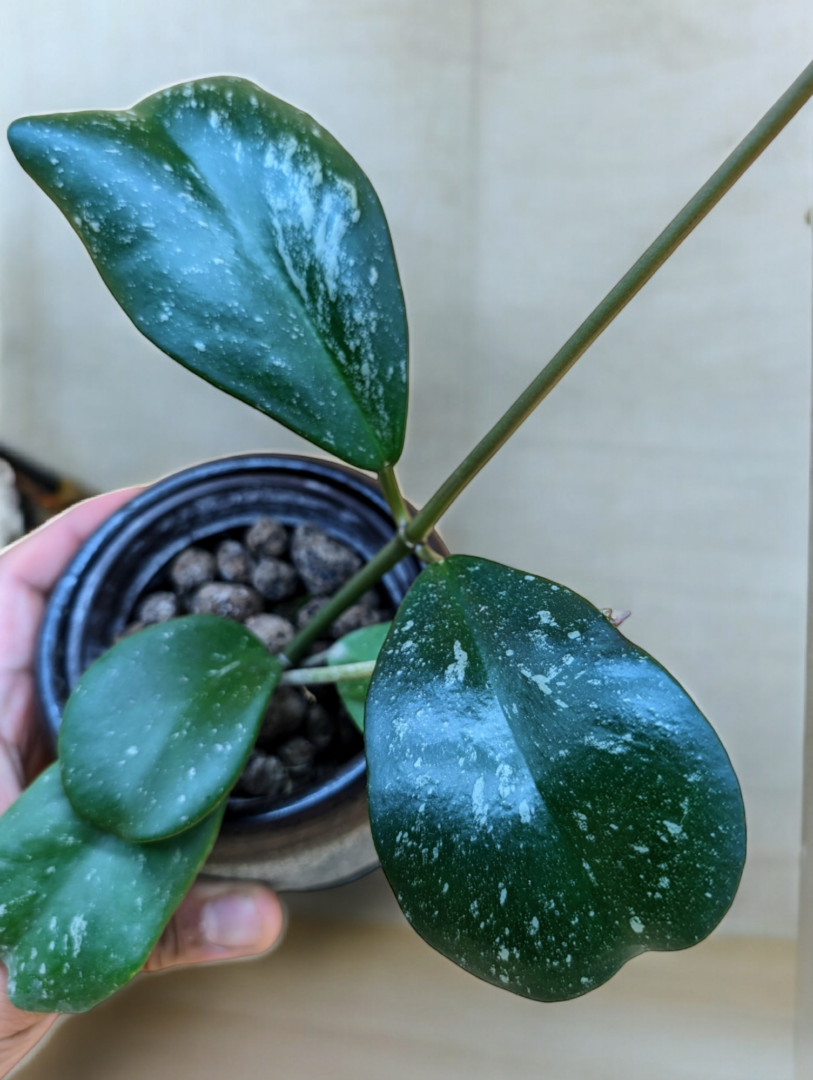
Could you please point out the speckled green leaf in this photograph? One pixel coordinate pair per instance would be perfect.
(546, 801)
(355, 648)
(80, 909)
(159, 728)
(243, 240)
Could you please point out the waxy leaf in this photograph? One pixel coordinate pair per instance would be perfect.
(355, 648)
(245, 242)
(159, 728)
(80, 909)
(546, 801)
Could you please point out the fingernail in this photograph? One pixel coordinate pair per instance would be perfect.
(231, 921)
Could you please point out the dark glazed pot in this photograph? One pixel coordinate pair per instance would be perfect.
(313, 840)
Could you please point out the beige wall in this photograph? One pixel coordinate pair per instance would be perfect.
(525, 153)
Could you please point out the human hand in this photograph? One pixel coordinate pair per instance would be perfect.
(216, 920)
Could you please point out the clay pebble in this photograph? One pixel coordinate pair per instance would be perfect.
(227, 600)
(267, 538)
(233, 562)
(158, 607)
(274, 579)
(191, 569)
(355, 618)
(264, 774)
(309, 609)
(272, 630)
(320, 727)
(286, 713)
(324, 564)
(297, 754)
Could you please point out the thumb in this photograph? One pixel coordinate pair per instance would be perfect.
(19, 1031)
(219, 920)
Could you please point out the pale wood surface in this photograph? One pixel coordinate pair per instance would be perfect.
(372, 1002)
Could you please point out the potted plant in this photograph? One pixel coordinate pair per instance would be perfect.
(299, 824)
(546, 800)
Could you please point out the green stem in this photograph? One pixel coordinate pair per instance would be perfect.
(616, 300)
(392, 493)
(338, 673)
(415, 531)
(427, 555)
(370, 574)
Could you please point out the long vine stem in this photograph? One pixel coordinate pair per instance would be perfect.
(744, 155)
(415, 531)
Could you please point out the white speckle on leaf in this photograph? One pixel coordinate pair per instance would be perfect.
(589, 871)
(610, 745)
(541, 681)
(636, 924)
(525, 812)
(457, 670)
(673, 828)
(77, 931)
(131, 751)
(478, 802)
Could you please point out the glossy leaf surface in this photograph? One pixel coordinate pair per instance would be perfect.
(245, 242)
(158, 729)
(354, 648)
(546, 800)
(80, 909)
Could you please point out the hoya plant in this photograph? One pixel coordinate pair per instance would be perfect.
(546, 800)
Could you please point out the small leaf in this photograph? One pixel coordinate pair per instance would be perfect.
(80, 909)
(546, 801)
(245, 242)
(354, 648)
(159, 728)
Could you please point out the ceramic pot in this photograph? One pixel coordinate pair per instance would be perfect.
(309, 841)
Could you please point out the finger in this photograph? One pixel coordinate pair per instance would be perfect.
(19, 1031)
(219, 921)
(38, 559)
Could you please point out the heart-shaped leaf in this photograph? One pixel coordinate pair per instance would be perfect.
(80, 909)
(245, 242)
(159, 728)
(355, 648)
(546, 800)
